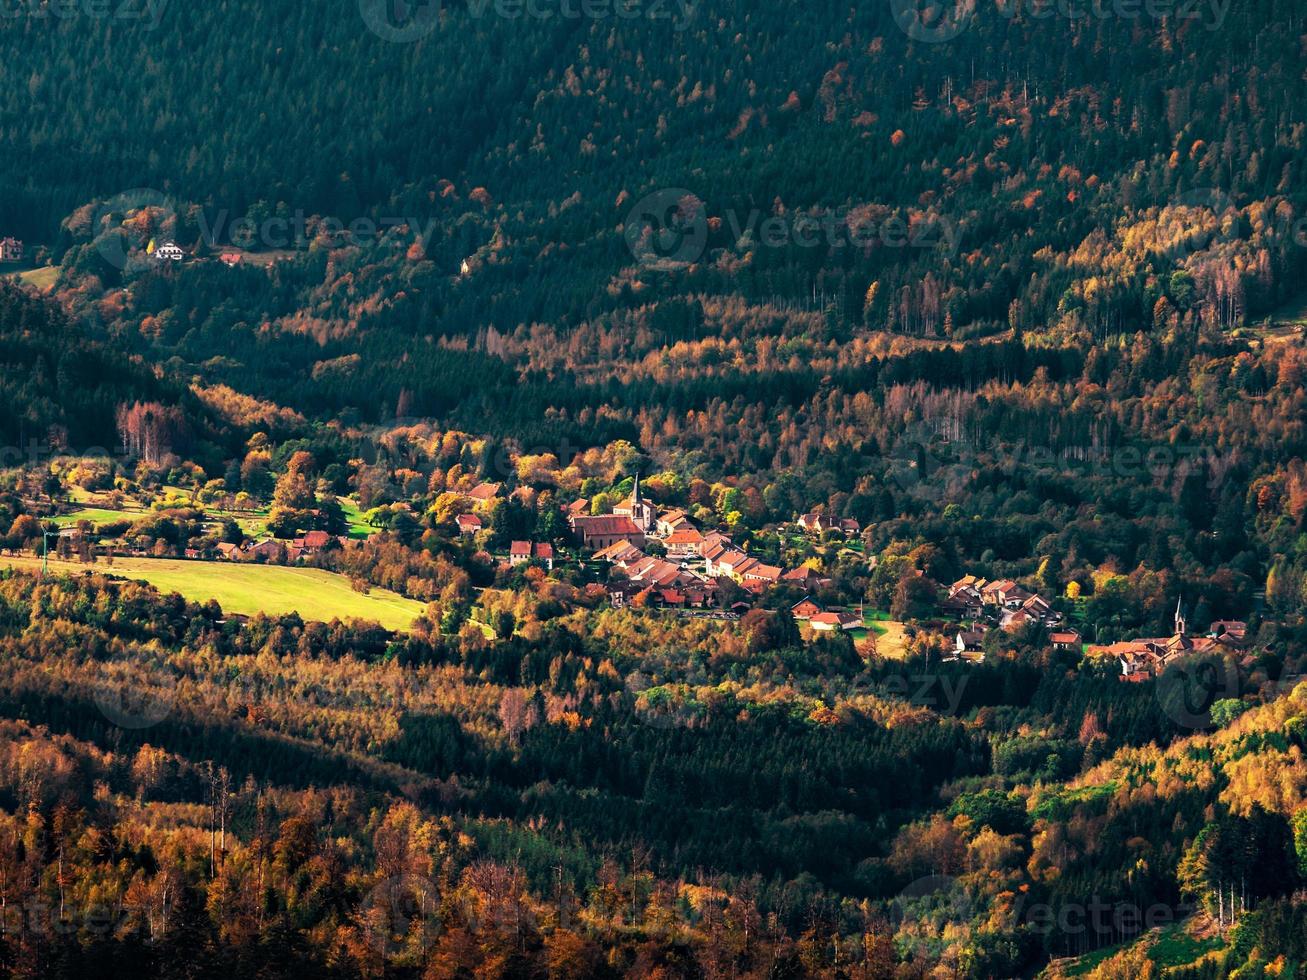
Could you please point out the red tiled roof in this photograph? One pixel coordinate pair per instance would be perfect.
(684, 536)
(605, 524)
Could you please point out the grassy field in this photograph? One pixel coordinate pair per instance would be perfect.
(1169, 947)
(97, 516)
(890, 641)
(253, 522)
(240, 588)
(42, 278)
(358, 528)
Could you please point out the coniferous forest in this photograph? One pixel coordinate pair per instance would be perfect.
(653, 489)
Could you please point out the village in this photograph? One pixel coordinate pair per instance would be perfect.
(643, 556)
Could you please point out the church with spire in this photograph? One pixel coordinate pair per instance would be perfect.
(639, 510)
(1148, 656)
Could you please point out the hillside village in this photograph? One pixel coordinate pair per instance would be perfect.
(640, 554)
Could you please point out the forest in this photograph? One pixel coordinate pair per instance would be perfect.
(1023, 305)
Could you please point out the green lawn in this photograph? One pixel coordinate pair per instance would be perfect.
(42, 278)
(97, 516)
(314, 593)
(358, 528)
(1169, 947)
(1176, 947)
(253, 522)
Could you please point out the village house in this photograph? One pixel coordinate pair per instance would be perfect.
(804, 577)
(468, 524)
(968, 645)
(766, 575)
(314, 541)
(1146, 658)
(484, 492)
(683, 544)
(1034, 610)
(520, 552)
(11, 250)
(731, 563)
(805, 608)
(964, 598)
(1004, 593)
(1230, 632)
(659, 572)
(829, 622)
(713, 547)
(621, 592)
(271, 551)
(230, 259)
(620, 553)
(815, 523)
(1066, 639)
(671, 521)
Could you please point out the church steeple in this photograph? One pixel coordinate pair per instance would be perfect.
(635, 491)
(1180, 624)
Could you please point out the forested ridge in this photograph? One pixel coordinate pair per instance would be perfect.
(253, 806)
(1024, 305)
